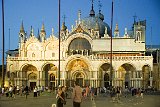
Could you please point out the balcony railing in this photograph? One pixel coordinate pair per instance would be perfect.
(91, 57)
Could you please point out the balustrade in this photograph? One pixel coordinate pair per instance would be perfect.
(91, 57)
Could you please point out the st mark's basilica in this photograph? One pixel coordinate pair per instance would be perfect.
(84, 56)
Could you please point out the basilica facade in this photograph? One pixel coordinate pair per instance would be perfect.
(85, 52)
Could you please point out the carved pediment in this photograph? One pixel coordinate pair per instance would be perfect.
(79, 29)
(32, 39)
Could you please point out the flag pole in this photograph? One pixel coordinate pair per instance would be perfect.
(59, 16)
(111, 46)
(3, 73)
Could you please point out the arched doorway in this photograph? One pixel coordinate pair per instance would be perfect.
(28, 73)
(77, 70)
(52, 80)
(126, 76)
(105, 75)
(146, 76)
(32, 77)
(106, 80)
(49, 71)
(79, 77)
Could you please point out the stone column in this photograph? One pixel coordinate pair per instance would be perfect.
(151, 78)
(39, 78)
(132, 83)
(120, 74)
(115, 74)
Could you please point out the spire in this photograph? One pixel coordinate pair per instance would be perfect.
(100, 15)
(52, 31)
(31, 33)
(126, 32)
(38, 35)
(99, 5)
(43, 28)
(135, 17)
(64, 18)
(79, 16)
(63, 26)
(116, 29)
(22, 28)
(43, 32)
(22, 33)
(92, 13)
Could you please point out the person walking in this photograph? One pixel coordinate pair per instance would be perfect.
(61, 97)
(77, 95)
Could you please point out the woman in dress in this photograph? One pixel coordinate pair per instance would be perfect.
(61, 97)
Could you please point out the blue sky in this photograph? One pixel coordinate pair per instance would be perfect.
(35, 12)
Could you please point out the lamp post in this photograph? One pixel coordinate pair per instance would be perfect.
(3, 73)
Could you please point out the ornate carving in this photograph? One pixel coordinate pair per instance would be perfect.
(79, 29)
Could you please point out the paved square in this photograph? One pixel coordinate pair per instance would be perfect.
(47, 99)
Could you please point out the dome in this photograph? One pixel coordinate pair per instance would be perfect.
(90, 23)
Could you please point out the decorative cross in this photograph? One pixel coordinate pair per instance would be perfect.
(135, 17)
(99, 5)
(64, 17)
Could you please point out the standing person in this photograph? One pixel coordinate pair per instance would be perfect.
(77, 95)
(14, 92)
(87, 91)
(17, 89)
(21, 90)
(92, 93)
(142, 93)
(10, 91)
(35, 91)
(61, 97)
(26, 89)
(2, 90)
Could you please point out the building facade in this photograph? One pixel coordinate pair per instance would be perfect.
(85, 53)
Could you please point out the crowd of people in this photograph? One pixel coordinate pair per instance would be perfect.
(12, 91)
(77, 93)
(115, 93)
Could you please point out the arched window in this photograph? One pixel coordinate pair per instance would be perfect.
(138, 36)
(79, 44)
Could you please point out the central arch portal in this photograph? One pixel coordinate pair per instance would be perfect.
(77, 70)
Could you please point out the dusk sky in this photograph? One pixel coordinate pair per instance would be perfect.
(35, 12)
